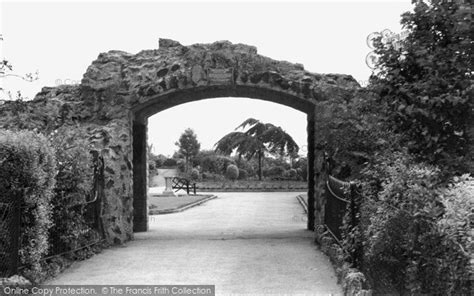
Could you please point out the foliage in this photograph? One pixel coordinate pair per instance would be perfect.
(458, 219)
(154, 162)
(426, 83)
(188, 145)
(301, 166)
(212, 162)
(232, 172)
(181, 165)
(258, 139)
(290, 174)
(6, 70)
(243, 174)
(194, 174)
(27, 170)
(274, 171)
(157, 160)
(74, 183)
(247, 165)
(206, 176)
(405, 247)
(169, 162)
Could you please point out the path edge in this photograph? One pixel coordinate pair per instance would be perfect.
(182, 208)
(302, 202)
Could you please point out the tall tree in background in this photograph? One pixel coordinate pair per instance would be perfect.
(257, 140)
(426, 81)
(188, 146)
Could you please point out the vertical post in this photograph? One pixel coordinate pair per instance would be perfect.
(15, 224)
(140, 207)
(311, 130)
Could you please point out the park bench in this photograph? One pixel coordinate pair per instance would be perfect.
(183, 184)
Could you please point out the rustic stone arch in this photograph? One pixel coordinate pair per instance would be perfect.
(119, 91)
(161, 102)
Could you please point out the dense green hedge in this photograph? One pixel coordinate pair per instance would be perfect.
(53, 178)
(74, 183)
(415, 233)
(27, 172)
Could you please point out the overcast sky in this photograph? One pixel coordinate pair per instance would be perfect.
(61, 39)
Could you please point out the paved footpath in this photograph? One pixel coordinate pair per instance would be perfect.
(243, 243)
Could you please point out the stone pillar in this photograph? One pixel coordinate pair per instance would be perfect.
(310, 130)
(323, 115)
(140, 207)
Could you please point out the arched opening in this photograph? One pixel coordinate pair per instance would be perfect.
(142, 112)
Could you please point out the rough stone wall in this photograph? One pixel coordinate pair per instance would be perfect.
(125, 79)
(120, 88)
(63, 106)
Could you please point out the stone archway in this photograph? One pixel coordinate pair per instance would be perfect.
(120, 90)
(170, 99)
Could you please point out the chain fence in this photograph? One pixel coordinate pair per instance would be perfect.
(339, 196)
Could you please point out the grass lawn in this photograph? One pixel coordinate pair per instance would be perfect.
(172, 202)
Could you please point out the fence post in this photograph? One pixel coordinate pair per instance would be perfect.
(353, 205)
(15, 236)
(357, 252)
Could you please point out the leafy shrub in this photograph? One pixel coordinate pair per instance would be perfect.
(212, 177)
(194, 174)
(74, 183)
(302, 168)
(213, 162)
(243, 174)
(247, 165)
(456, 225)
(169, 162)
(276, 162)
(158, 160)
(413, 239)
(276, 171)
(232, 172)
(181, 164)
(290, 174)
(27, 170)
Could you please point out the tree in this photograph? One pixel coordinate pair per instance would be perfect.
(425, 81)
(6, 70)
(188, 146)
(258, 139)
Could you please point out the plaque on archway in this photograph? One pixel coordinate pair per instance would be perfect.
(220, 76)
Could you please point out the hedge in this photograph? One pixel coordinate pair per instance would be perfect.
(74, 182)
(415, 233)
(27, 172)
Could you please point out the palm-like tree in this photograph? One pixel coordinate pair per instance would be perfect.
(258, 139)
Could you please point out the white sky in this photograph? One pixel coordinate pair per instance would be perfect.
(61, 39)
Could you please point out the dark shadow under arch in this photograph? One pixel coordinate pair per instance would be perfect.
(140, 114)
